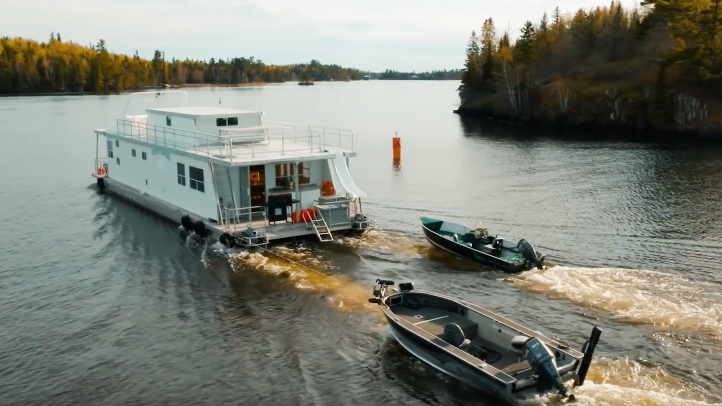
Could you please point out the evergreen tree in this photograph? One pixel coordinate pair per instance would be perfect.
(471, 78)
(472, 48)
(488, 37)
(543, 40)
(526, 44)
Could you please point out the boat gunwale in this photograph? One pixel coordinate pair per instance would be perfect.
(478, 364)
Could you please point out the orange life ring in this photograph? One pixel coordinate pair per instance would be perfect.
(101, 171)
(327, 189)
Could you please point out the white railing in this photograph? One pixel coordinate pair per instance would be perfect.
(233, 218)
(174, 138)
(334, 203)
(239, 143)
(330, 137)
(334, 137)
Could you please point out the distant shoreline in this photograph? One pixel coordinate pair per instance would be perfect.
(149, 88)
(219, 84)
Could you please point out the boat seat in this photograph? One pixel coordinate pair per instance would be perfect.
(411, 302)
(517, 344)
(454, 335)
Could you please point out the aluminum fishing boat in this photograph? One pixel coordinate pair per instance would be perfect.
(479, 347)
(477, 245)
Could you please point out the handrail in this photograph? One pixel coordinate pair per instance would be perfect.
(237, 213)
(229, 147)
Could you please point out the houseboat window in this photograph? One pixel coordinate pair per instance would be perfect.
(144, 156)
(132, 152)
(117, 160)
(110, 149)
(196, 176)
(167, 121)
(117, 143)
(220, 122)
(181, 174)
(304, 173)
(232, 120)
(284, 175)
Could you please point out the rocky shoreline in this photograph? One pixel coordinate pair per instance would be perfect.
(611, 116)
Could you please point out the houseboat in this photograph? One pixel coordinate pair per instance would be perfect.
(230, 174)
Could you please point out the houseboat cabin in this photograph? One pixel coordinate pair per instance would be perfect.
(231, 173)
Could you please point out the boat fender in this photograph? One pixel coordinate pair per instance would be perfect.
(200, 229)
(227, 240)
(187, 223)
(101, 184)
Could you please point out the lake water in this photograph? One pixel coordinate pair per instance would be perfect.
(104, 303)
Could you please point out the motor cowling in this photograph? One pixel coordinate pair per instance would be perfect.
(529, 253)
(544, 365)
(251, 235)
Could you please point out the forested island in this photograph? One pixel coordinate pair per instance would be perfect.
(654, 70)
(388, 74)
(28, 66)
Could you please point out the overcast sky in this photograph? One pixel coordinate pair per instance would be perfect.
(371, 35)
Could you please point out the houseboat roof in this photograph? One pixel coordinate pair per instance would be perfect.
(195, 111)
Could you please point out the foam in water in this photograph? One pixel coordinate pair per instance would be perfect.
(637, 296)
(622, 382)
(307, 273)
(385, 240)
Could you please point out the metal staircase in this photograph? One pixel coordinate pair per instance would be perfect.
(319, 225)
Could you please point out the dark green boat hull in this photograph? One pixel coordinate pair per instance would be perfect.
(509, 260)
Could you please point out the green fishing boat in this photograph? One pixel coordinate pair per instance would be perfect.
(477, 245)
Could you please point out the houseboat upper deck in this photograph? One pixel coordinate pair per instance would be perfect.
(230, 173)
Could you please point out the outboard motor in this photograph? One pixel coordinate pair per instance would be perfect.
(360, 221)
(542, 362)
(251, 236)
(529, 253)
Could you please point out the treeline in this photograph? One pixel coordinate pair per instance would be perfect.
(655, 67)
(454, 74)
(27, 66)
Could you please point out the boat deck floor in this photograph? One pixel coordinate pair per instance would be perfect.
(433, 320)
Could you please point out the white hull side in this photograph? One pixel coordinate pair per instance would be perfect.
(175, 213)
(159, 207)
